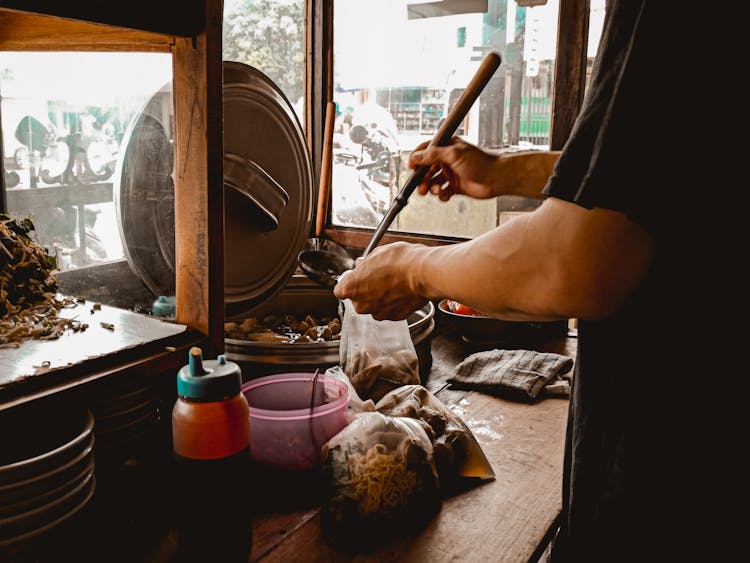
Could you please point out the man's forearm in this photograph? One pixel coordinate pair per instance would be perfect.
(560, 261)
(523, 174)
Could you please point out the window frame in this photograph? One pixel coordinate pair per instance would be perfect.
(194, 41)
(569, 87)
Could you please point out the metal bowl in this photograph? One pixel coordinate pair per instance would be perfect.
(489, 330)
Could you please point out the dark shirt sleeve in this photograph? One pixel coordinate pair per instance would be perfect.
(609, 160)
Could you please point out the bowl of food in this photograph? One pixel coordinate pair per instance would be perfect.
(292, 415)
(298, 330)
(474, 326)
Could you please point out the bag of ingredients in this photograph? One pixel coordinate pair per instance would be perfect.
(356, 404)
(378, 356)
(379, 479)
(457, 452)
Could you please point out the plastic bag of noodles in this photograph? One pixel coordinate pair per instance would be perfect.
(455, 449)
(379, 480)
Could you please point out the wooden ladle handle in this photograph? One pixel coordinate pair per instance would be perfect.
(324, 186)
(457, 114)
(443, 137)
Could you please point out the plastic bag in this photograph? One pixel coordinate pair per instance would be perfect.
(378, 356)
(457, 452)
(379, 479)
(356, 404)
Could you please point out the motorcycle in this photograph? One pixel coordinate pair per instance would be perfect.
(373, 161)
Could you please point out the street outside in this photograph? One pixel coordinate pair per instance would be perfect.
(357, 201)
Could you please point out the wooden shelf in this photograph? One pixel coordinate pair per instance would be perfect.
(422, 116)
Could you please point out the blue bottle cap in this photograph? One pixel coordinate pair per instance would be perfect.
(210, 380)
(164, 306)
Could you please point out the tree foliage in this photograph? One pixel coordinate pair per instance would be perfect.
(267, 35)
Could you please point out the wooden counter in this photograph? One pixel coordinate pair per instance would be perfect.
(114, 339)
(510, 519)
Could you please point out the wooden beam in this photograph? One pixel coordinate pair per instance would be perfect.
(198, 178)
(171, 17)
(308, 82)
(56, 196)
(357, 239)
(31, 32)
(570, 69)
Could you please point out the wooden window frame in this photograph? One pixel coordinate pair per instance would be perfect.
(570, 77)
(191, 31)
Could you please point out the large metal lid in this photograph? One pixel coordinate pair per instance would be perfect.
(261, 126)
(268, 181)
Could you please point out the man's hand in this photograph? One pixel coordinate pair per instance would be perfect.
(382, 284)
(462, 168)
(458, 168)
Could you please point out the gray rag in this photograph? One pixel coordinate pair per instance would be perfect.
(517, 373)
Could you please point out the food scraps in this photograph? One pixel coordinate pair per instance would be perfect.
(285, 328)
(29, 303)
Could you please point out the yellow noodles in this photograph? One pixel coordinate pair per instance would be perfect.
(380, 479)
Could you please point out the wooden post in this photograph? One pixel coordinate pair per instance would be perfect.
(198, 179)
(318, 74)
(570, 68)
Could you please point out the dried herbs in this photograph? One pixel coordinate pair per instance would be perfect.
(28, 290)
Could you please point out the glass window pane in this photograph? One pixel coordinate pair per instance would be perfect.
(269, 36)
(69, 125)
(399, 67)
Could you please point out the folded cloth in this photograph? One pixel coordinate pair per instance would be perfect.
(518, 373)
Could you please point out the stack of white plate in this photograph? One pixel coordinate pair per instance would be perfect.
(46, 475)
(125, 414)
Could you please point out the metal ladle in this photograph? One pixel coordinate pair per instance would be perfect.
(326, 267)
(321, 259)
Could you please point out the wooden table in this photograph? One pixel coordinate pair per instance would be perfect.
(510, 519)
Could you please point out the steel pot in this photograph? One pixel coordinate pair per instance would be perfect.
(300, 297)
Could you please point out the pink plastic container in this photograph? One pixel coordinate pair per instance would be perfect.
(284, 432)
